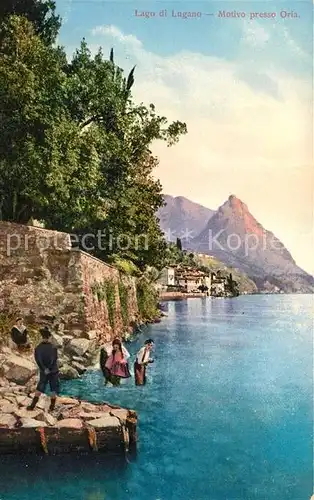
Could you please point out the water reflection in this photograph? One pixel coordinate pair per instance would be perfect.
(34, 470)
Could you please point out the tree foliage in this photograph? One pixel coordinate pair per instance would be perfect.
(75, 147)
(232, 286)
(179, 244)
(41, 13)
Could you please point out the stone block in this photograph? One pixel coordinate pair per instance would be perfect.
(90, 335)
(63, 400)
(19, 369)
(7, 420)
(23, 400)
(67, 372)
(50, 420)
(7, 407)
(70, 423)
(57, 340)
(78, 347)
(105, 422)
(32, 423)
(79, 367)
(121, 414)
(34, 414)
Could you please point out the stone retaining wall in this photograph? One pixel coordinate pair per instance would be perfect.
(43, 279)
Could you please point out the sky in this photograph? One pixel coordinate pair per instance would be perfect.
(243, 83)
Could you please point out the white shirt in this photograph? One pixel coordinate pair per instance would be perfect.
(142, 356)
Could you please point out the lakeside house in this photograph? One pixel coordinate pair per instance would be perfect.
(167, 277)
(184, 279)
(190, 279)
(218, 284)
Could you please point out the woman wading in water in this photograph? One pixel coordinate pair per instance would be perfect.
(141, 362)
(116, 366)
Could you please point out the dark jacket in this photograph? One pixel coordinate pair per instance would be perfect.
(103, 359)
(46, 356)
(18, 337)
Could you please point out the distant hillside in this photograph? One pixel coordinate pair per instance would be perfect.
(182, 218)
(235, 237)
(244, 282)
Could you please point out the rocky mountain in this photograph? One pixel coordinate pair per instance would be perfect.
(182, 218)
(235, 237)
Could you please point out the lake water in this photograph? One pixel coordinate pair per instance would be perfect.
(226, 413)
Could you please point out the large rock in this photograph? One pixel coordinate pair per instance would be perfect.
(49, 419)
(104, 422)
(79, 367)
(78, 347)
(88, 407)
(32, 423)
(90, 335)
(63, 400)
(57, 340)
(121, 414)
(7, 406)
(79, 359)
(7, 420)
(34, 414)
(23, 400)
(70, 423)
(90, 416)
(67, 372)
(19, 370)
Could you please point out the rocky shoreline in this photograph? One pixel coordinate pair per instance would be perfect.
(73, 426)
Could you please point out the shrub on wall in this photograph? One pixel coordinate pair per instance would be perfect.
(147, 299)
(110, 290)
(125, 266)
(107, 291)
(123, 294)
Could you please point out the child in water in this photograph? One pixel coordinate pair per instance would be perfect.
(115, 367)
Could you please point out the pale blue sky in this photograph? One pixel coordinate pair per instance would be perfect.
(208, 35)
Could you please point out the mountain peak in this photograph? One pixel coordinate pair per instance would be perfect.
(234, 206)
(235, 202)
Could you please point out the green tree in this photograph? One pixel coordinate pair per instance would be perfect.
(41, 13)
(75, 148)
(125, 132)
(179, 244)
(232, 286)
(48, 169)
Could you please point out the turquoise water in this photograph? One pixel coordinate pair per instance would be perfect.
(226, 414)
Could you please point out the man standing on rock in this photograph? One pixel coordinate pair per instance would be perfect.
(46, 357)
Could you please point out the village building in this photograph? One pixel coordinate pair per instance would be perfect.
(167, 278)
(190, 280)
(218, 285)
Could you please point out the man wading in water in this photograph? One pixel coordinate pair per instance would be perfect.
(141, 362)
(46, 357)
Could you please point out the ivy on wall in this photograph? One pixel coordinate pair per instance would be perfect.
(106, 291)
(123, 294)
(146, 300)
